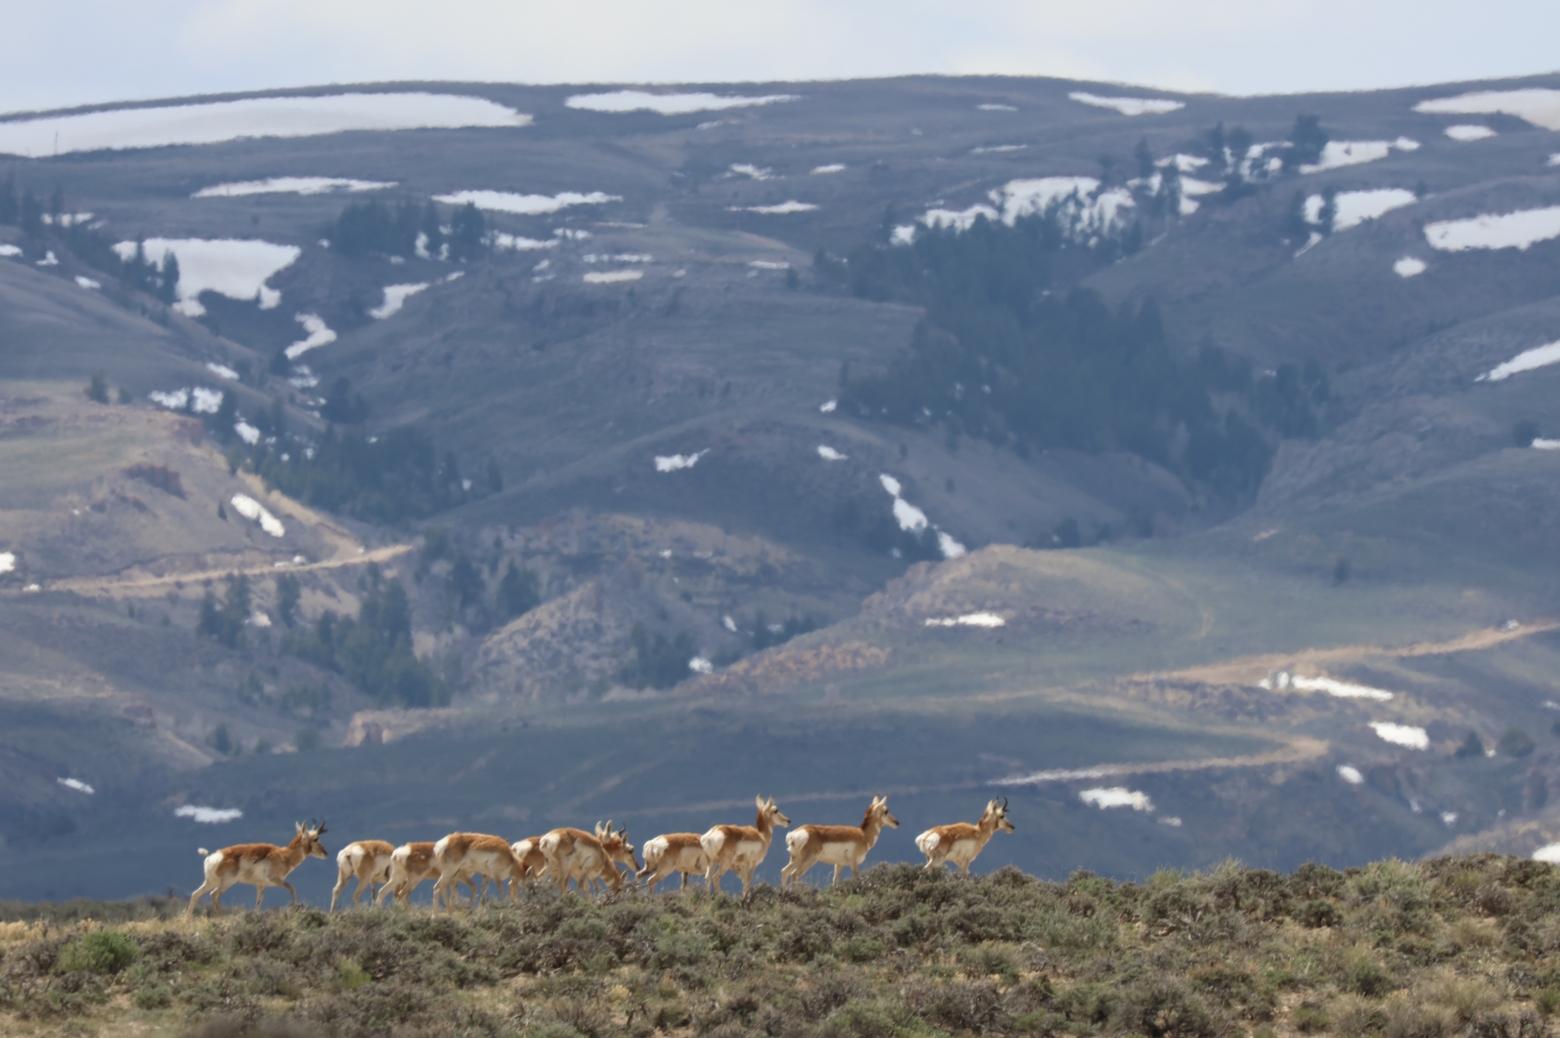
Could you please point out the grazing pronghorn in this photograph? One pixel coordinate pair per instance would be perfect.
(366, 860)
(585, 858)
(837, 845)
(262, 864)
(741, 848)
(410, 864)
(474, 854)
(533, 863)
(961, 841)
(673, 852)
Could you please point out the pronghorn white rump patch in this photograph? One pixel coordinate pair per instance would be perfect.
(208, 815)
(1548, 852)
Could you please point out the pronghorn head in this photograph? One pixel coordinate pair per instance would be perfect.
(615, 844)
(879, 809)
(308, 836)
(997, 810)
(768, 809)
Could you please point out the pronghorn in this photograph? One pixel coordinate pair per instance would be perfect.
(533, 863)
(368, 861)
(740, 848)
(961, 841)
(262, 864)
(465, 855)
(585, 858)
(410, 864)
(837, 845)
(673, 852)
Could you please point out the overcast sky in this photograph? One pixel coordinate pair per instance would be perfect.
(68, 52)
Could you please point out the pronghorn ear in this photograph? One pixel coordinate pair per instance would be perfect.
(298, 828)
(758, 802)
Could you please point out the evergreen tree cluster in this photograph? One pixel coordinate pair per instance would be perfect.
(1003, 358)
(656, 660)
(392, 478)
(374, 649)
(375, 228)
(224, 621)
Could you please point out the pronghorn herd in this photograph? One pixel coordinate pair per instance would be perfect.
(590, 859)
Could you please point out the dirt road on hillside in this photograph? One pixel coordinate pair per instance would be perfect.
(151, 585)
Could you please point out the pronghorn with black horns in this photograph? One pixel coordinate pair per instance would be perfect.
(673, 852)
(588, 858)
(261, 864)
(961, 841)
(366, 860)
(741, 848)
(464, 855)
(837, 845)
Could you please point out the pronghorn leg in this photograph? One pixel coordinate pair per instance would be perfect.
(836, 880)
(290, 890)
(855, 870)
(259, 895)
(205, 888)
(341, 884)
(440, 893)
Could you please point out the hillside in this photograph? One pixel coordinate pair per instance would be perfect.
(588, 451)
(1447, 947)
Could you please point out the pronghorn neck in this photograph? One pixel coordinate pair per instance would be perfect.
(871, 828)
(765, 827)
(985, 829)
(292, 854)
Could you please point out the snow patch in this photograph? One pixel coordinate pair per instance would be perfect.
(1106, 797)
(291, 186)
(1352, 208)
(1517, 230)
(1413, 737)
(217, 121)
(208, 815)
(1537, 105)
(246, 432)
(221, 371)
(526, 205)
(828, 406)
(997, 149)
(1541, 444)
(678, 462)
(1469, 132)
(49, 260)
(1337, 154)
(253, 510)
(7, 562)
(1350, 774)
(88, 283)
(747, 169)
(950, 547)
(1548, 853)
(1527, 360)
(700, 665)
(1409, 267)
(785, 208)
(504, 241)
(986, 620)
(904, 234)
(232, 267)
(1078, 198)
(607, 277)
(76, 784)
(395, 298)
(1129, 105)
(617, 101)
(318, 334)
(992, 106)
(828, 167)
(828, 453)
(769, 264)
(1183, 163)
(1329, 686)
(8, 249)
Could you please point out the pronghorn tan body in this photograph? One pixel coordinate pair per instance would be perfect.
(261, 864)
(533, 863)
(463, 855)
(961, 841)
(838, 845)
(673, 852)
(741, 848)
(410, 865)
(586, 857)
(366, 860)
